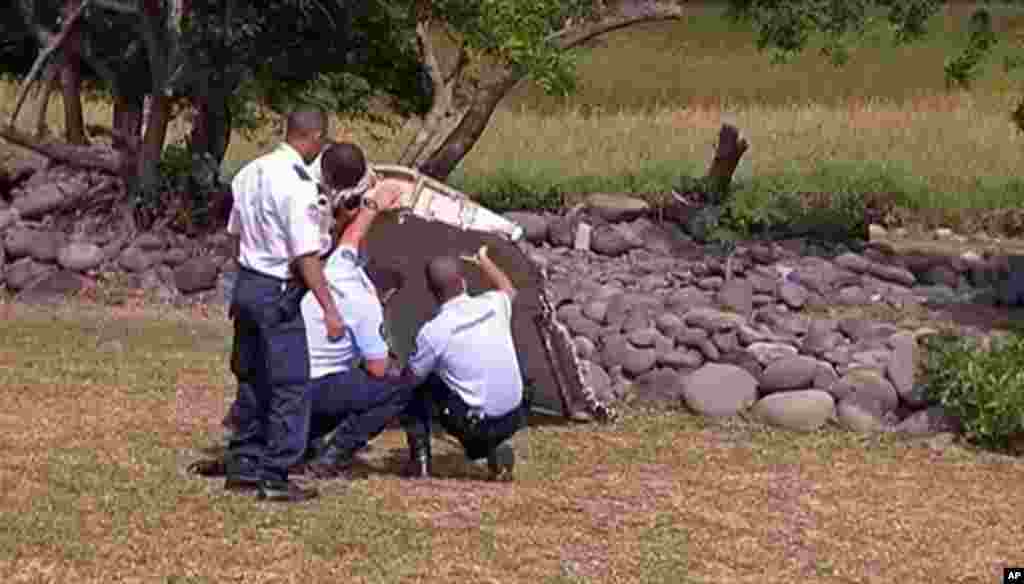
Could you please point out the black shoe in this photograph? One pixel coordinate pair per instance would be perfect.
(215, 467)
(242, 483)
(331, 463)
(501, 463)
(284, 492)
(418, 466)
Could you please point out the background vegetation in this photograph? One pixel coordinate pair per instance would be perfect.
(650, 99)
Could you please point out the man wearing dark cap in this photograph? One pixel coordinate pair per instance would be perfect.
(280, 228)
(465, 362)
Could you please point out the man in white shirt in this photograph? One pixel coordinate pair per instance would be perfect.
(465, 362)
(356, 389)
(278, 222)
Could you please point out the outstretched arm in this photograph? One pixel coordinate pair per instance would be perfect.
(494, 274)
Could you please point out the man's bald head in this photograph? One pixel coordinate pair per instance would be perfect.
(306, 131)
(444, 277)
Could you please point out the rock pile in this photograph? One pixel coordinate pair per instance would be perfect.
(728, 336)
(42, 260)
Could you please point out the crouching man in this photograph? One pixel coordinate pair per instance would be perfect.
(356, 388)
(465, 363)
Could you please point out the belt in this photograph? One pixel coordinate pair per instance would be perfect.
(259, 274)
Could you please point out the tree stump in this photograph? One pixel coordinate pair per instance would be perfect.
(730, 149)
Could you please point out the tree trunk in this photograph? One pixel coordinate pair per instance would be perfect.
(46, 90)
(460, 140)
(82, 156)
(439, 147)
(127, 125)
(71, 78)
(147, 174)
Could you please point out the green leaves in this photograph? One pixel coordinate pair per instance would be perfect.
(984, 388)
(961, 69)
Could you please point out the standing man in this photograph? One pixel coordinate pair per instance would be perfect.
(466, 363)
(278, 221)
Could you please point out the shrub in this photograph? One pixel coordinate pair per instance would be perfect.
(984, 388)
(185, 190)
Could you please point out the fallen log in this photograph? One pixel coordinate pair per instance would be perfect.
(88, 157)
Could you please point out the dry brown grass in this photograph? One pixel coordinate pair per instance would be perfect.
(92, 489)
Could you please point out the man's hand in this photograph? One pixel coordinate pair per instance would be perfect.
(335, 325)
(479, 258)
(385, 195)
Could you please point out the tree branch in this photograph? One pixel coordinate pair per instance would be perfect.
(623, 14)
(44, 55)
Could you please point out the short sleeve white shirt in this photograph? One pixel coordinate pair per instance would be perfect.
(361, 310)
(469, 345)
(275, 213)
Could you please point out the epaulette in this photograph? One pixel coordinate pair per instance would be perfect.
(303, 175)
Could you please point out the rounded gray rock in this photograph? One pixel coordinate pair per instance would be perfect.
(794, 295)
(644, 338)
(639, 361)
(134, 259)
(596, 310)
(681, 359)
(24, 272)
(859, 413)
(80, 256)
(720, 390)
(614, 207)
(870, 384)
(767, 353)
(934, 420)
(804, 410)
(737, 296)
(584, 346)
(197, 274)
(789, 373)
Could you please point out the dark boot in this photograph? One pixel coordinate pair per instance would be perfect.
(331, 463)
(419, 457)
(284, 492)
(501, 462)
(241, 474)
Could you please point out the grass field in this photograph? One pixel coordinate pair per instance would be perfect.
(651, 98)
(104, 407)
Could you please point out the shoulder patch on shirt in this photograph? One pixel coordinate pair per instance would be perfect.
(303, 174)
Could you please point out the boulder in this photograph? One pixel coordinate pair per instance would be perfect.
(638, 361)
(737, 296)
(584, 346)
(893, 274)
(46, 245)
(596, 310)
(562, 231)
(52, 287)
(150, 242)
(175, 257)
(613, 240)
(853, 262)
(135, 260)
(789, 373)
(24, 272)
(41, 199)
(8, 217)
(197, 274)
(720, 390)
(18, 241)
(900, 369)
(661, 388)
(860, 413)
(794, 295)
(870, 384)
(614, 207)
(535, 226)
(80, 256)
(803, 410)
(681, 359)
(767, 353)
